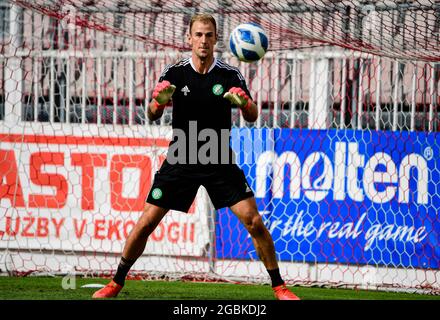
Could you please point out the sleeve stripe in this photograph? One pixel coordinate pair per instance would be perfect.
(165, 71)
(228, 67)
(183, 62)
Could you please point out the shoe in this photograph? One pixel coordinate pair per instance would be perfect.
(282, 293)
(109, 291)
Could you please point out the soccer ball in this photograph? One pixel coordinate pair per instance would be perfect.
(248, 42)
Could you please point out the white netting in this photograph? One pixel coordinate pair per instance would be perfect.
(343, 158)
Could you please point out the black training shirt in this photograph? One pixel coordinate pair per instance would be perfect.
(198, 98)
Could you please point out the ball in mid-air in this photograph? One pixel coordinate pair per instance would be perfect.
(248, 42)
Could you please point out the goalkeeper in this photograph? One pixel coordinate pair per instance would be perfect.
(202, 90)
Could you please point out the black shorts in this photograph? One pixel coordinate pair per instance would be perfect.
(175, 186)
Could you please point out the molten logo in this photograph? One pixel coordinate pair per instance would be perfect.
(349, 173)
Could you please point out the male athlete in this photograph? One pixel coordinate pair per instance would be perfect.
(201, 89)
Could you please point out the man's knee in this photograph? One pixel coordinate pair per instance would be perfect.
(254, 223)
(150, 219)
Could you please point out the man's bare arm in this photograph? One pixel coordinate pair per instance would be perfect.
(154, 112)
(250, 114)
(161, 98)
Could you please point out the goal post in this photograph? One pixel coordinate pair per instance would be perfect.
(343, 158)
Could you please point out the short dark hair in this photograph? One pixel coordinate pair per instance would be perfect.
(204, 17)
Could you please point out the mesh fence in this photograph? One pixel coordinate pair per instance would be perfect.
(343, 158)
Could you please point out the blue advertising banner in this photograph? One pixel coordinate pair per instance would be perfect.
(340, 196)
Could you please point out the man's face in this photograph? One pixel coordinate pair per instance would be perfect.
(202, 39)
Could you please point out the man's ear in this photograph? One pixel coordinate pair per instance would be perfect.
(188, 38)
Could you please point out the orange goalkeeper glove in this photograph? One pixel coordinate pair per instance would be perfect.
(238, 97)
(162, 94)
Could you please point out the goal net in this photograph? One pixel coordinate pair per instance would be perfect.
(343, 158)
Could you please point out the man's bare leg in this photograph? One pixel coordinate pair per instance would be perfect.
(137, 239)
(247, 211)
(134, 247)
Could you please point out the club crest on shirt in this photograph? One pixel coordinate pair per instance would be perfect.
(217, 89)
(185, 90)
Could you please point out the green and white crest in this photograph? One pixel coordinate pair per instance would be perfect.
(156, 193)
(217, 89)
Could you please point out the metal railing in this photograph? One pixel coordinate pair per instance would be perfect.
(76, 87)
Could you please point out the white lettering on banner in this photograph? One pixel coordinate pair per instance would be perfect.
(322, 184)
(343, 175)
(371, 177)
(355, 161)
(296, 227)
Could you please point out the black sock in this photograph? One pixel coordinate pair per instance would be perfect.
(275, 277)
(123, 268)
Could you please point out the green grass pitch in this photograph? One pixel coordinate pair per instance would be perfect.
(50, 288)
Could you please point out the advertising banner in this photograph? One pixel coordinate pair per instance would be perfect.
(340, 196)
(86, 194)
